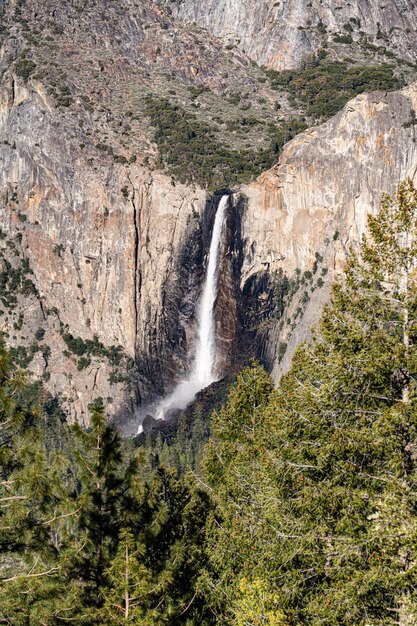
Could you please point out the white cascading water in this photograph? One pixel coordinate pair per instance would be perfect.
(202, 371)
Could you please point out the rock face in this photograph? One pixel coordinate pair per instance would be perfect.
(102, 255)
(282, 34)
(169, 275)
(117, 251)
(304, 214)
(114, 247)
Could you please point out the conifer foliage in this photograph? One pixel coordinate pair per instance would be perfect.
(326, 521)
(304, 507)
(96, 539)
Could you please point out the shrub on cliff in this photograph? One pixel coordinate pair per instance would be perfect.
(25, 68)
(190, 151)
(322, 87)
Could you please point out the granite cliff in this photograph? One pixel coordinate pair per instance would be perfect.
(282, 34)
(99, 231)
(102, 246)
(304, 215)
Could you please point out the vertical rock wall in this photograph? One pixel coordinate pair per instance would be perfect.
(282, 34)
(306, 213)
(103, 242)
(116, 252)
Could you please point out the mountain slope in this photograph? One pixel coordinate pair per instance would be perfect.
(106, 209)
(282, 34)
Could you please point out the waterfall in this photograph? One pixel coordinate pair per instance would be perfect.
(202, 371)
(205, 359)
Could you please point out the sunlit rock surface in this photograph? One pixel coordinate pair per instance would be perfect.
(282, 34)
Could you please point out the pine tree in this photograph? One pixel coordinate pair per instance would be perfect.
(329, 520)
(17, 419)
(344, 426)
(95, 538)
(234, 474)
(130, 587)
(33, 505)
(350, 397)
(100, 500)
